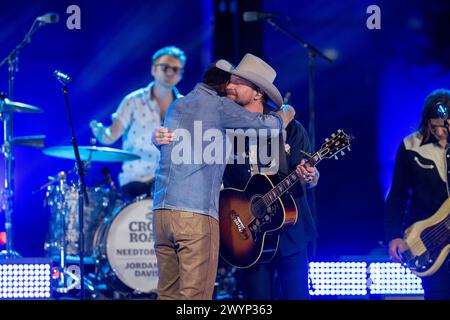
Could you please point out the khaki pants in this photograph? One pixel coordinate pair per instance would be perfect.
(187, 251)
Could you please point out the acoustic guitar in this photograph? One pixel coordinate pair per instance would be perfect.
(250, 219)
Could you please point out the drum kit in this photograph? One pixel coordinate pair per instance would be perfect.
(118, 236)
(7, 108)
(118, 240)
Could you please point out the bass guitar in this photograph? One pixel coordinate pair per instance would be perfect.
(428, 242)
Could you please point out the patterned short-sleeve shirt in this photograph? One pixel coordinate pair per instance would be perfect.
(140, 115)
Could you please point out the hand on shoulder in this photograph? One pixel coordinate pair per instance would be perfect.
(287, 114)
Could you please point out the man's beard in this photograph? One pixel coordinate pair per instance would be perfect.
(231, 94)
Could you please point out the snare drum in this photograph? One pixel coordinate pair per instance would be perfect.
(124, 248)
(62, 200)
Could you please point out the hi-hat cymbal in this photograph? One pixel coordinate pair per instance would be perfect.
(29, 141)
(91, 153)
(9, 105)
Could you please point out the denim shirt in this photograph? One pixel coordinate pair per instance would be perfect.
(199, 120)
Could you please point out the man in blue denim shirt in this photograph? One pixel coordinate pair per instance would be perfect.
(188, 181)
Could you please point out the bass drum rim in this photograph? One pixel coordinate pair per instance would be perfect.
(104, 267)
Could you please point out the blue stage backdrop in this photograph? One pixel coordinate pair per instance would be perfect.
(365, 91)
(108, 58)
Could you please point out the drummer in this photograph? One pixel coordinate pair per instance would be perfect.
(137, 116)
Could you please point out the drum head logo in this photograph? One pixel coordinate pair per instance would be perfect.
(130, 247)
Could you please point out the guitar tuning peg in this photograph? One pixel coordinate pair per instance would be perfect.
(348, 148)
(326, 140)
(342, 153)
(333, 135)
(336, 158)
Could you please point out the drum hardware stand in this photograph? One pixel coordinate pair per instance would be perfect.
(7, 117)
(114, 194)
(53, 180)
(82, 192)
(61, 205)
(8, 193)
(67, 279)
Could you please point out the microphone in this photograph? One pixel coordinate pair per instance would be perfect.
(441, 111)
(48, 18)
(250, 16)
(63, 78)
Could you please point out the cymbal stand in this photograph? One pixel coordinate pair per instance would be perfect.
(7, 117)
(8, 192)
(68, 278)
(62, 209)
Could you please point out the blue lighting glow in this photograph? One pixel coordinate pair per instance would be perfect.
(393, 278)
(361, 279)
(337, 278)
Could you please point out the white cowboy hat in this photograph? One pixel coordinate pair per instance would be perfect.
(256, 71)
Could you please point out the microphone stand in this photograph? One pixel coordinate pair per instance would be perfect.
(312, 53)
(82, 193)
(7, 117)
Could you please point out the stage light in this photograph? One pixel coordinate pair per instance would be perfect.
(393, 278)
(25, 278)
(361, 278)
(337, 278)
(2, 238)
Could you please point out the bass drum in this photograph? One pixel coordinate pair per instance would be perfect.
(124, 249)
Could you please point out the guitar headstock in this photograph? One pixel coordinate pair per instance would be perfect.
(335, 144)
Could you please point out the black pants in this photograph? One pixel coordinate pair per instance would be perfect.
(282, 278)
(437, 286)
(135, 189)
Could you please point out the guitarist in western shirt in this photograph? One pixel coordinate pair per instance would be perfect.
(419, 187)
(290, 263)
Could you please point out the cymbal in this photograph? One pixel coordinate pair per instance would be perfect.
(30, 141)
(18, 107)
(91, 153)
